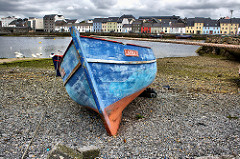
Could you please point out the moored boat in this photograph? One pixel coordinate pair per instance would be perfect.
(106, 75)
(183, 36)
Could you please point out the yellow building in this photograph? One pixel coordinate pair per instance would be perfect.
(229, 26)
(198, 27)
(189, 29)
(112, 24)
(104, 26)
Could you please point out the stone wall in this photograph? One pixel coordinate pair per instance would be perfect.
(229, 53)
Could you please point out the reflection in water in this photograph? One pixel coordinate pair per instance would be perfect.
(44, 46)
(162, 50)
(32, 46)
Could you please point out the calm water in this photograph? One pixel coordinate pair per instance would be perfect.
(32, 46)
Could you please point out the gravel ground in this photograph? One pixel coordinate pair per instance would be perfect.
(175, 124)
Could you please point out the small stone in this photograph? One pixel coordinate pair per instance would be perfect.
(89, 151)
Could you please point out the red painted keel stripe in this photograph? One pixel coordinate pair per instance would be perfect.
(113, 113)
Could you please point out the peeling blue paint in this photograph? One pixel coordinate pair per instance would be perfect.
(70, 61)
(78, 89)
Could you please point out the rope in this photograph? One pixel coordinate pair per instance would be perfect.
(35, 133)
(40, 122)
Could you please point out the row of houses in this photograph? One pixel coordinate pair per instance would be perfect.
(171, 25)
(128, 24)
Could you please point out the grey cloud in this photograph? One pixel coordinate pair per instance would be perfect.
(85, 9)
(209, 5)
(104, 4)
(8, 6)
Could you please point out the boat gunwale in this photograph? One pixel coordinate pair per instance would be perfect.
(114, 41)
(89, 60)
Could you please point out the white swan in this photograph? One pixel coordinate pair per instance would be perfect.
(18, 54)
(33, 55)
(38, 54)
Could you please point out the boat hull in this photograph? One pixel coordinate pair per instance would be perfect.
(106, 75)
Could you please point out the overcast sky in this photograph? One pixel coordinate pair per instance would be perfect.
(87, 9)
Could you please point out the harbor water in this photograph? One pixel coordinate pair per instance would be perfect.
(43, 46)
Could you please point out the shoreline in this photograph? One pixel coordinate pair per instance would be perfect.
(7, 60)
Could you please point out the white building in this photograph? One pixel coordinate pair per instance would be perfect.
(84, 27)
(177, 28)
(238, 31)
(119, 26)
(36, 24)
(61, 26)
(6, 21)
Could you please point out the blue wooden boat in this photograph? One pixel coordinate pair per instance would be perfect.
(106, 75)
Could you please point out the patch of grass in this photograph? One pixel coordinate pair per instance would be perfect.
(139, 116)
(39, 63)
(199, 74)
(232, 117)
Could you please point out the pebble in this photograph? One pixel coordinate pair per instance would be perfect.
(175, 124)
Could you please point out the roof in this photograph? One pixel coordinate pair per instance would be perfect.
(137, 22)
(159, 17)
(191, 21)
(19, 23)
(86, 24)
(226, 20)
(72, 21)
(128, 16)
(178, 25)
(60, 22)
(100, 20)
(147, 24)
(157, 25)
(165, 23)
(212, 23)
(127, 25)
(50, 16)
(112, 19)
(235, 20)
